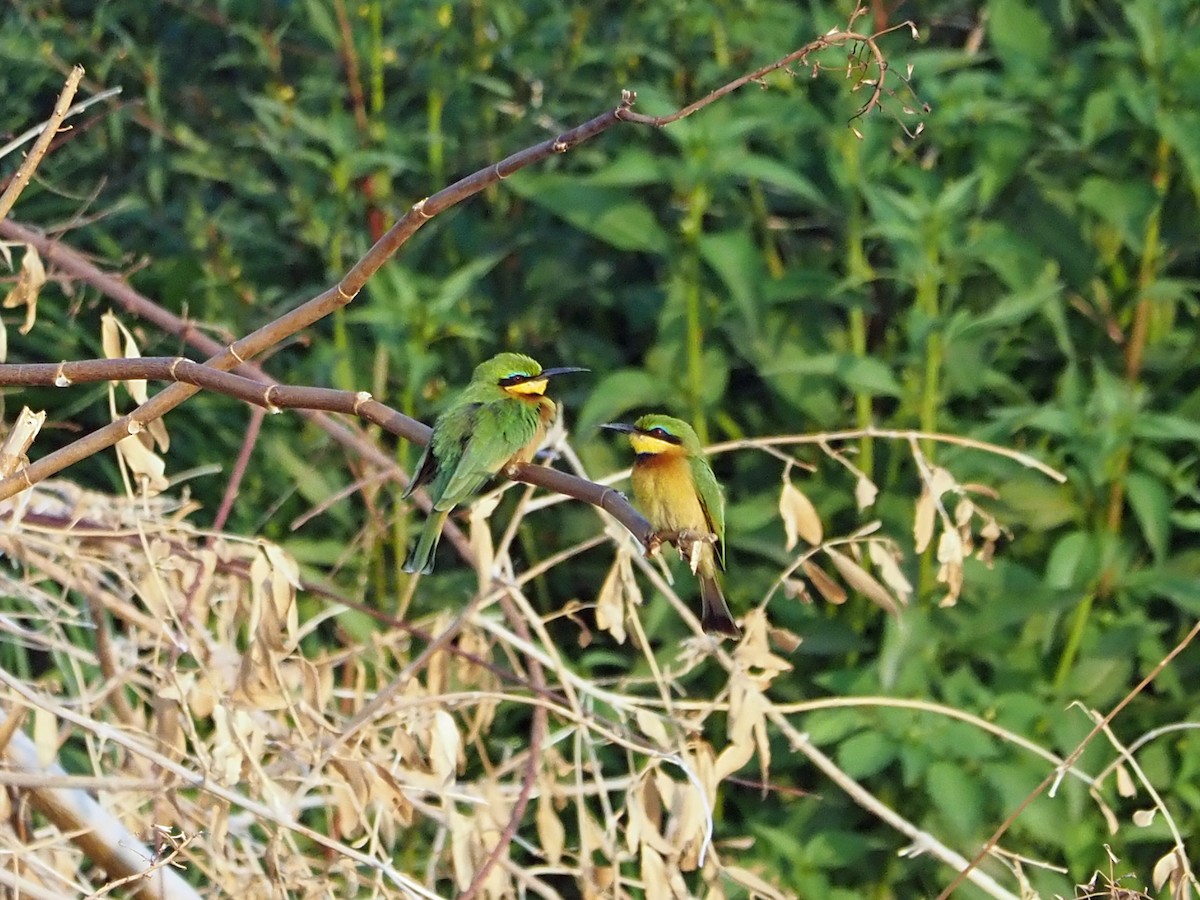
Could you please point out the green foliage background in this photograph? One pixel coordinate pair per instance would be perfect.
(1024, 272)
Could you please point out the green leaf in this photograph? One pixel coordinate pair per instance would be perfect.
(1151, 505)
(609, 213)
(956, 796)
(868, 375)
(859, 373)
(1181, 128)
(736, 259)
(1018, 306)
(617, 393)
(1019, 33)
(1124, 204)
(1068, 565)
(778, 175)
(1165, 427)
(866, 753)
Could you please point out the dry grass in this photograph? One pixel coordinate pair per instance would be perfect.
(171, 668)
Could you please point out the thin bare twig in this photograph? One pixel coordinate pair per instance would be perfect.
(249, 440)
(25, 172)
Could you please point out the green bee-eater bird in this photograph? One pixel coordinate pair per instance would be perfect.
(499, 418)
(677, 491)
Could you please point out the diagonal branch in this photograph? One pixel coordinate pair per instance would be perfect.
(274, 397)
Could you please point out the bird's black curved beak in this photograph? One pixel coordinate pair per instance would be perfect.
(619, 426)
(561, 370)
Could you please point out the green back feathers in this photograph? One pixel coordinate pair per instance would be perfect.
(477, 433)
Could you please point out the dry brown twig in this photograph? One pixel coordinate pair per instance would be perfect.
(25, 172)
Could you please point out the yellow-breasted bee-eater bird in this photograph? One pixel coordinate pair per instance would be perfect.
(499, 418)
(675, 487)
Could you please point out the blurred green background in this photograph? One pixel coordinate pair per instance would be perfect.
(1023, 272)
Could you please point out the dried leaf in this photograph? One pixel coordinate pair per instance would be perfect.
(825, 586)
(732, 758)
(950, 555)
(923, 520)
(45, 735)
(963, 511)
(551, 833)
(27, 287)
(654, 873)
(885, 560)
(863, 582)
(112, 331)
(1168, 868)
(1125, 785)
(785, 640)
(110, 336)
(865, 492)
(19, 439)
(463, 841)
(1110, 818)
(1144, 818)
(800, 519)
(951, 575)
(746, 727)
(157, 429)
(258, 683)
(610, 603)
(445, 747)
(145, 465)
(652, 727)
(402, 808)
(483, 551)
(938, 482)
(795, 589)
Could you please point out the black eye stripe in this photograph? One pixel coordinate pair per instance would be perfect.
(515, 378)
(661, 434)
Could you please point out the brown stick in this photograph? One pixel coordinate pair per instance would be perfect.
(25, 172)
(274, 397)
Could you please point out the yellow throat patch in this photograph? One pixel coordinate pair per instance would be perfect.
(644, 443)
(533, 386)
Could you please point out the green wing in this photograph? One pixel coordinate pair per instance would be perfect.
(472, 444)
(712, 501)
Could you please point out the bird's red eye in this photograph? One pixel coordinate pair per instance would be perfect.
(660, 433)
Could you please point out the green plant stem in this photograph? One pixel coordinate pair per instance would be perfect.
(691, 228)
(1135, 349)
(1074, 640)
(1135, 346)
(861, 273)
(928, 303)
(434, 105)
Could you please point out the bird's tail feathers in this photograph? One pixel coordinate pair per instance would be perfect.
(715, 616)
(420, 558)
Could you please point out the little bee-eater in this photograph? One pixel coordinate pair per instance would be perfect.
(677, 491)
(499, 418)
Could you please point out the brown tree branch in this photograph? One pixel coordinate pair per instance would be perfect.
(275, 397)
(76, 265)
